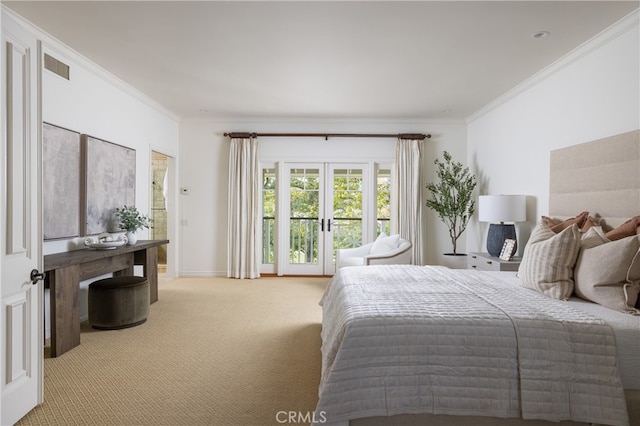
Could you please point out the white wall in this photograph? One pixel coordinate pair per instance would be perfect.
(591, 94)
(96, 104)
(204, 153)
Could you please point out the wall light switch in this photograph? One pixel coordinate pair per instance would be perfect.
(184, 190)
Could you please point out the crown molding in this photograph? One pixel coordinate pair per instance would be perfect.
(326, 121)
(611, 33)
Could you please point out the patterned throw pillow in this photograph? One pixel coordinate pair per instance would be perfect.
(548, 261)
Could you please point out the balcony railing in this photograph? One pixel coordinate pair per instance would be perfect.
(268, 239)
(303, 237)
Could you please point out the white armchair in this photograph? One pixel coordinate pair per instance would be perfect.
(385, 250)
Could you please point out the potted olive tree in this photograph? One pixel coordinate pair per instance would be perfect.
(452, 196)
(131, 220)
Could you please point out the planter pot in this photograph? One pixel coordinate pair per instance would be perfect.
(132, 238)
(454, 261)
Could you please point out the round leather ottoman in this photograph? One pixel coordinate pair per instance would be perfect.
(118, 302)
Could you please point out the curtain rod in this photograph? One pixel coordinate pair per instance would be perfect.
(326, 136)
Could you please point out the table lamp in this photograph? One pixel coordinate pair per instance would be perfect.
(498, 209)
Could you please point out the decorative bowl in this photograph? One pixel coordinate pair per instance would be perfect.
(105, 241)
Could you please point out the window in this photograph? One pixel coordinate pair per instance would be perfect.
(268, 215)
(383, 200)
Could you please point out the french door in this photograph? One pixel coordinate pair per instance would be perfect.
(325, 206)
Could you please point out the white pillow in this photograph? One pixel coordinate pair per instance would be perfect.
(384, 244)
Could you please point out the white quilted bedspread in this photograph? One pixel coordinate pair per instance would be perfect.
(427, 339)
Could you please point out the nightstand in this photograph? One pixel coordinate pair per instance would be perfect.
(486, 262)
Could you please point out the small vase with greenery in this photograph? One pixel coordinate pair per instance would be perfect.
(131, 220)
(452, 196)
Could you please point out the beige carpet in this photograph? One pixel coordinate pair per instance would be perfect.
(212, 352)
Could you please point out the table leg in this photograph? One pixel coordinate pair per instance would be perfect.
(149, 260)
(64, 284)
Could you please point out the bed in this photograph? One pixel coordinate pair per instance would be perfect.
(406, 344)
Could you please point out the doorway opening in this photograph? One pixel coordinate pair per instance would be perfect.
(159, 191)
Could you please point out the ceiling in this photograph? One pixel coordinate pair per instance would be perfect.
(323, 59)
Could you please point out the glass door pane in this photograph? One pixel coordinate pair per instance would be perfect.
(305, 205)
(383, 202)
(346, 209)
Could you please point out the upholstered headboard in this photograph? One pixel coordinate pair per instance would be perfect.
(601, 176)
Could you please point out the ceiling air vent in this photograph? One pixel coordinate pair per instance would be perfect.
(55, 66)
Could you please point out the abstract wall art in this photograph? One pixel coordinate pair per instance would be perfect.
(110, 182)
(61, 182)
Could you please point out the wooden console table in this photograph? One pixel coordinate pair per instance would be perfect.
(64, 271)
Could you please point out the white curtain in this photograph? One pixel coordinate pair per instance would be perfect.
(407, 202)
(244, 210)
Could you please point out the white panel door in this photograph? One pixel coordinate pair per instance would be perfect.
(21, 252)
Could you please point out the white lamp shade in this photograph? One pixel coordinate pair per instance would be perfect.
(502, 208)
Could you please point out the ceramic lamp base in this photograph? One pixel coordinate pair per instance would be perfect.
(498, 232)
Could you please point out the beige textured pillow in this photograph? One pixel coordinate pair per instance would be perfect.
(609, 274)
(548, 261)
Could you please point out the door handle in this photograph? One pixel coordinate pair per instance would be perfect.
(321, 225)
(328, 225)
(36, 276)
